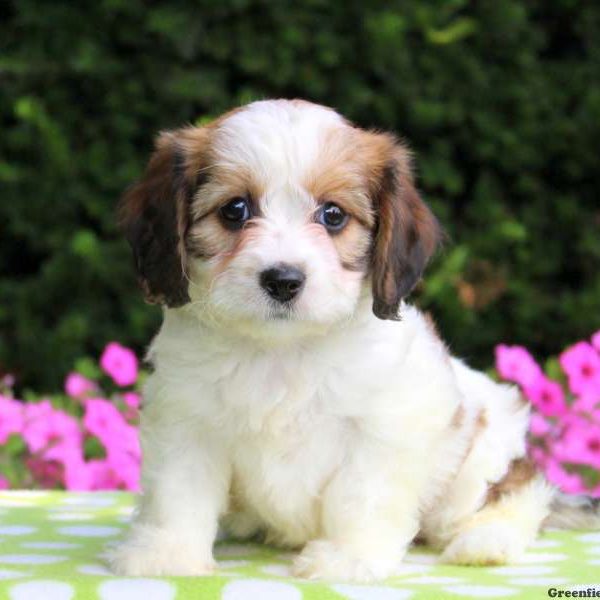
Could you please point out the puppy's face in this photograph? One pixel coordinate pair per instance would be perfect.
(278, 212)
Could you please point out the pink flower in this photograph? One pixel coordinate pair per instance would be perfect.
(11, 417)
(581, 363)
(596, 340)
(514, 363)
(49, 430)
(132, 400)
(4, 483)
(539, 455)
(103, 420)
(78, 386)
(120, 363)
(571, 483)
(547, 396)
(118, 472)
(77, 475)
(580, 444)
(538, 426)
(586, 403)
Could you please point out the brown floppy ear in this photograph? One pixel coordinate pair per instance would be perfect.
(407, 234)
(154, 215)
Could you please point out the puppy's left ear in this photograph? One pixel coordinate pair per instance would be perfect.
(154, 215)
(407, 233)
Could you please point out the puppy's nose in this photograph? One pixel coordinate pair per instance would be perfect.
(282, 282)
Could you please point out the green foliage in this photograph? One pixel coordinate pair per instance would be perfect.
(500, 100)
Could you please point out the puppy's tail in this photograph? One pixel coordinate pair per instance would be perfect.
(573, 512)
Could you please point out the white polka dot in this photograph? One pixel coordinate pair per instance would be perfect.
(542, 581)
(522, 570)
(136, 589)
(15, 502)
(355, 592)
(589, 537)
(30, 559)
(234, 550)
(16, 530)
(433, 580)
(232, 564)
(89, 499)
(93, 570)
(421, 559)
(277, 570)
(594, 562)
(89, 530)
(71, 516)
(593, 550)
(405, 569)
(50, 545)
(545, 544)
(48, 590)
(531, 557)
(244, 589)
(480, 591)
(10, 574)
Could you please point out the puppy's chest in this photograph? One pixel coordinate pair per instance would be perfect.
(280, 478)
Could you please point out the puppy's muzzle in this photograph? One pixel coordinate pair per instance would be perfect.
(283, 282)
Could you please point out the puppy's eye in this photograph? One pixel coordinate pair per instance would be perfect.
(332, 216)
(236, 212)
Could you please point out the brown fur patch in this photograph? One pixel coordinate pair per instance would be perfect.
(407, 232)
(520, 472)
(154, 214)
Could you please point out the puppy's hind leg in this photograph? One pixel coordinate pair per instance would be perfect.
(500, 532)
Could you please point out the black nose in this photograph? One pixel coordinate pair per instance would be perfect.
(283, 282)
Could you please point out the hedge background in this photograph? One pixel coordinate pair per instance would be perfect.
(500, 99)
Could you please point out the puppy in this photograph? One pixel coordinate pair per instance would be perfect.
(294, 394)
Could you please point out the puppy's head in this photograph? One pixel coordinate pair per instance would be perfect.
(280, 211)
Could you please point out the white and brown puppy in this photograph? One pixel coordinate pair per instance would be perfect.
(293, 392)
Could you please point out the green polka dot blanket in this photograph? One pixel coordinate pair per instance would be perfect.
(51, 546)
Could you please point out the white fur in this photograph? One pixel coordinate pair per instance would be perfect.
(332, 431)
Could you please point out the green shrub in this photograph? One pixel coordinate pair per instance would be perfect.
(500, 100)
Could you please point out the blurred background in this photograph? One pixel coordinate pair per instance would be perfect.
(500, 100)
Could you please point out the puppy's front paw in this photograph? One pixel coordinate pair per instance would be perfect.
(150, 552)
(323, 559)
(492, 544)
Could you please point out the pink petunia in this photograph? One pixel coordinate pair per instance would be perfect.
(4, 483)
(581, 363)
(47, 429)
(77, 475)
(571, 483)
(117, 472)
(596, 340)
(132, 399)
(579, 444)
(514, 363)
(78, 386)
(539, 455)
(103, 420)
(586, 403)
(547, 396)
(120, 363)
(538, 425)
(11, 417)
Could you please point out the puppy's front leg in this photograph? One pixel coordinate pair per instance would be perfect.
(185, 484)
(369, 517)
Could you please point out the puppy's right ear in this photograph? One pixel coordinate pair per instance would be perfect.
(154, 216)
